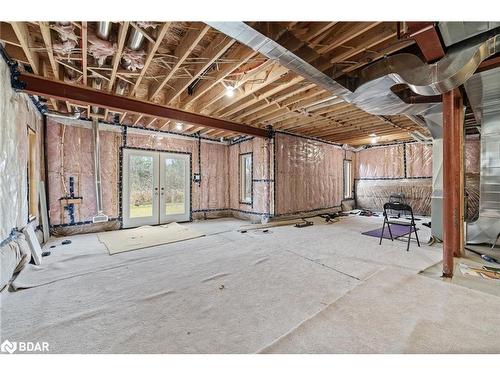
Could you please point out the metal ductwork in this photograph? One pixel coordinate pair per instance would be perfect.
(75, 115)
(135, 40)
(133, 57)
(103, 29)
(456, 32)
(99, 217)
(434, 123)
(483, 91)
(373, 92)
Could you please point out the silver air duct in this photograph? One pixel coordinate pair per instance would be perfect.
(455, 32)
(75, 115)
(135, 40)
(374, 94)
(100, 216)
(483, 91)
(103, 29)
(133, 57)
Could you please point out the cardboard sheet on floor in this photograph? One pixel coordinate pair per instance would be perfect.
(119, 241)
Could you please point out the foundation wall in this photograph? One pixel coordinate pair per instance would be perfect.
(17, 113)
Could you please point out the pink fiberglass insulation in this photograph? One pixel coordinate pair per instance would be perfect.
(17, 113)
(69, 154)
(384, 161)
(418, 160)
(261, 170)
(309, 174)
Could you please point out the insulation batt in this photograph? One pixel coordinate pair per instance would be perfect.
(382, 162)
(70, 154)
(17, 113)
(100, 49)
(134, 60)
(260, 168)
(309, 174)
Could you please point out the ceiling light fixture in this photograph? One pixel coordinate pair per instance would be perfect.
(178, 125)
(229, 91)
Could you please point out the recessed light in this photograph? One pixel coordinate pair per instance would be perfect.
(178, 125)
(374, 140)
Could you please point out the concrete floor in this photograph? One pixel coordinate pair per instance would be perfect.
(319, 289)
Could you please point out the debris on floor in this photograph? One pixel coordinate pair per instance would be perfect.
(483, 272)
(271, 224)
(304, 224)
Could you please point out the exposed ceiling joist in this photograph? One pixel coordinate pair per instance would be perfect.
(122, 36)
(183, 50)
(215, 50)
(151, 55)
(24, 38)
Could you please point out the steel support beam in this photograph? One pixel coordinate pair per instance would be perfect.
(47, 88)
(427, 38)
(453, 179)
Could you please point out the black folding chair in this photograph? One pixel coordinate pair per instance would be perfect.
(396, 206)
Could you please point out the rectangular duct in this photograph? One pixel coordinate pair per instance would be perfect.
(100, 216)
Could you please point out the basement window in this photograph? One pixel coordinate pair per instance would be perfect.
(347, 179)
(246, 178)
(31, 176)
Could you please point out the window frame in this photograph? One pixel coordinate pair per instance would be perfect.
(347, 180)
(242, 177)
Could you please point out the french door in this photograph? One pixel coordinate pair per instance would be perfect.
(156, 187)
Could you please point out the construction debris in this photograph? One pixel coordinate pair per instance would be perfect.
(485, 273)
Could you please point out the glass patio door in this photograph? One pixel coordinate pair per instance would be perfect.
(174, 187)
(156, 188)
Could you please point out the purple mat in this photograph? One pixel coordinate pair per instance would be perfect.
(396, 229)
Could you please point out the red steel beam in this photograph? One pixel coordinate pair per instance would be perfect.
(453, 179)
(62, 91)
(427, 38)
(491, 63)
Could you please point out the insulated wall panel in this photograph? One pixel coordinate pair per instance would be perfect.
(309, 175)
(418, 160)
(261, 150)
(69, 155)
(17, 113)
(383, 161)
(372, 194)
